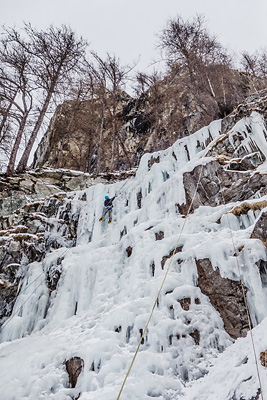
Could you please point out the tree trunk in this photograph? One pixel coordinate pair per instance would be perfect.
(15, 148)
(112, 150)
(25, 156)
(211, 88)
(7, 112)
(100, 140)
(88, 158)
(113, 116)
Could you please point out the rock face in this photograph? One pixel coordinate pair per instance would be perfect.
(97, 296)
(82, 137)
(29, 233)
(218, 186)
(226, 296)
(27, 236)
(237, 153)
(36, 185)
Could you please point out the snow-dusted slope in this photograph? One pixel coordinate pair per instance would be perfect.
(109, 282)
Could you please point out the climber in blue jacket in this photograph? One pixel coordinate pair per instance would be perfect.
(108, 208)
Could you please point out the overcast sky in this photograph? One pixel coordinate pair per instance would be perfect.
(128, 28)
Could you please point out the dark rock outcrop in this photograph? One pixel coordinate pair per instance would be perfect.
(260, 229)
(218, 185)
(185, 303)
(169, 110)
(9, 282)
(129, 251)
(263, 358)
(226, 296)
(159, 235)
(74, 367)
(170, 255)
(196, 336)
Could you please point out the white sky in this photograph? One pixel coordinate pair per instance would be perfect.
(128, 28)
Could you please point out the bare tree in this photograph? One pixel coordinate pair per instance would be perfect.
(190, 45)
(201, 63)
(55, 54)
(15, 82)
(97, 77)
(263, 64)
(7, 96)
(153, 86)
(249, 62)
(79, 90)
(255, 66)
(110, 77)
(8, 92)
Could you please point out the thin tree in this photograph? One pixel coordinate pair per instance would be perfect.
(7, 96)
(255, 67)
(15, 81)
(78, 91)
(110, 77)
(97, 77)
(56, 54)
(189, 44)
(152, 86)
(200, 61)
(263, 64)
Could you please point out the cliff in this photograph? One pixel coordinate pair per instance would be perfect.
(113, 134)
(187, 240)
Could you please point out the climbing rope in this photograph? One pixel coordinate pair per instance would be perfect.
(242, 287)
(164, 279)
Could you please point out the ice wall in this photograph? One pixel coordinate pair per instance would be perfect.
(110, 279)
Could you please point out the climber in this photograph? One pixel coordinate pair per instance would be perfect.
(108, 208)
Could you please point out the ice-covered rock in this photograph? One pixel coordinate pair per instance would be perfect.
(93, 299)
